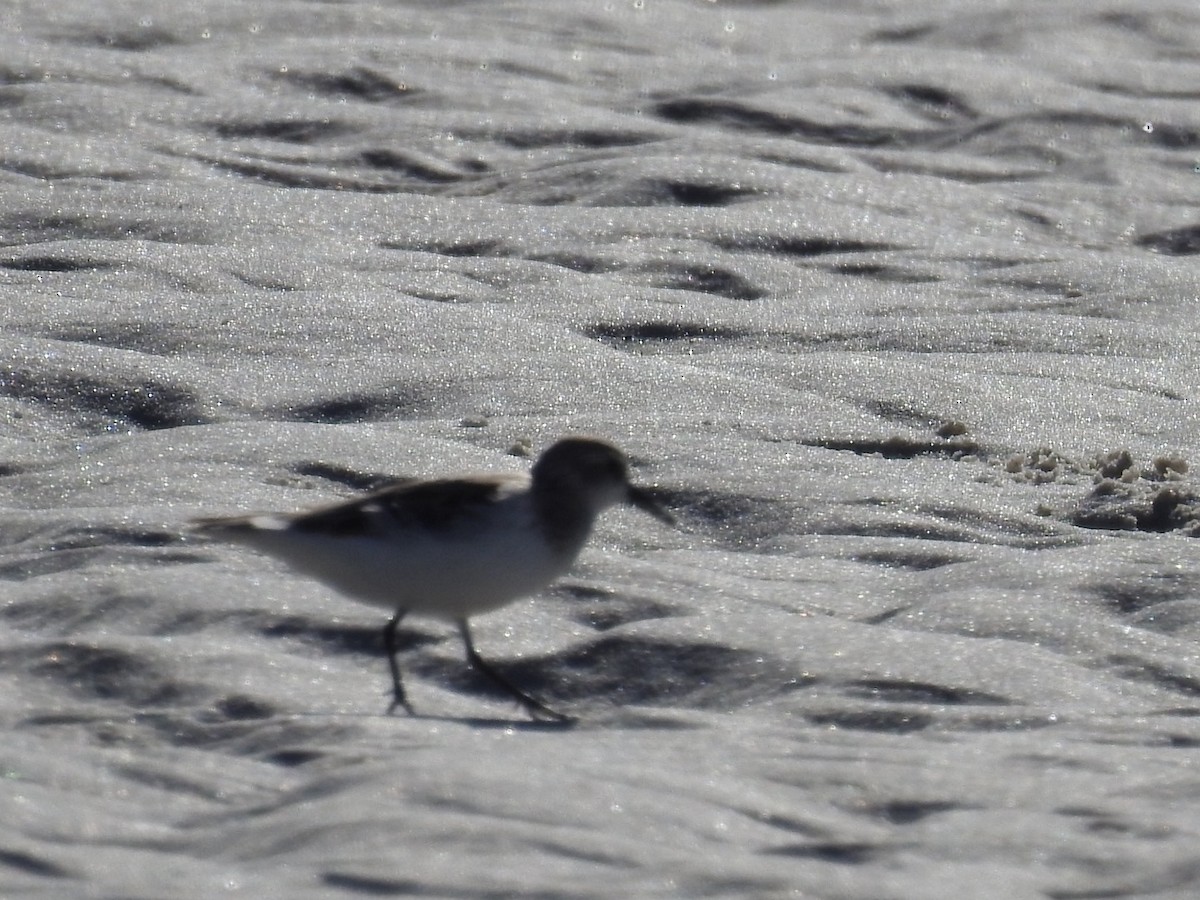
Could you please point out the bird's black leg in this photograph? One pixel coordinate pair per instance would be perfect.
(399, 698)
(535, 708)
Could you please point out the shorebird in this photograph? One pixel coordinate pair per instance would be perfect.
(452, 548)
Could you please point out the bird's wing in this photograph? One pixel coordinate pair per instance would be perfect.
(431, 506)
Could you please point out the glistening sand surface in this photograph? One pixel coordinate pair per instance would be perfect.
(875, 293)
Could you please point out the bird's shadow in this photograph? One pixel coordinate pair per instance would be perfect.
(499, 722)
(358, 639)
(368, 642)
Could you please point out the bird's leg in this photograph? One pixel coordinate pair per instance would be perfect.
(535, 708)
(399, 698)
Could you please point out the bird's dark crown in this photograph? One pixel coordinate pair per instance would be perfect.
(588, 459)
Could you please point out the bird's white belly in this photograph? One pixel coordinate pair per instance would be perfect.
(448, 579)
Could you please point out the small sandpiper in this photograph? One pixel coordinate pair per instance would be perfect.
(453, 548)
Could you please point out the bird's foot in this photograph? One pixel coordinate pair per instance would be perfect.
(399, 701)
(540, 712)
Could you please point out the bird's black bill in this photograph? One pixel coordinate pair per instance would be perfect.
(645, 501)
